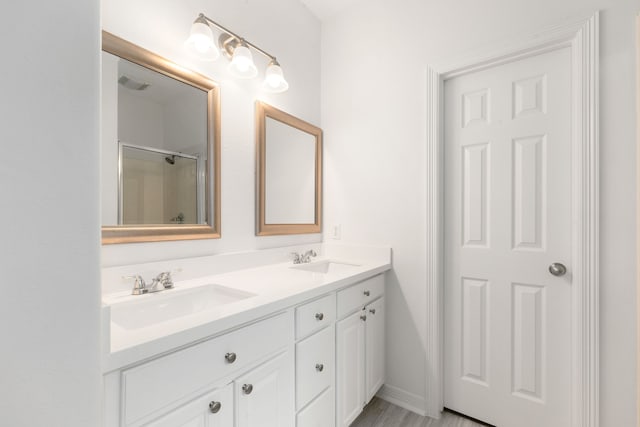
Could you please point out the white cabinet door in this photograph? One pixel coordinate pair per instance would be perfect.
(265, 396)
(375, 348)
(350, 359)
(214, 409)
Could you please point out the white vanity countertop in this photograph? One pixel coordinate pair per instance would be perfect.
(276, 287)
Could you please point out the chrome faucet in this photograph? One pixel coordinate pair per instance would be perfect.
(140, 286)
(303, 258)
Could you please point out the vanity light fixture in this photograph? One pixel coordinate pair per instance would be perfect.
(237, 49)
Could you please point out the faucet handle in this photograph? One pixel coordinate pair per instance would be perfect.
(306, 257)
(297, 258)
(164, 279)
(139, 286)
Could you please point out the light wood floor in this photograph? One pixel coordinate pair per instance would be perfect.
(379, 413)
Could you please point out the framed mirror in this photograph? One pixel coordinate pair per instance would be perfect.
(160, 148)
(289, 173)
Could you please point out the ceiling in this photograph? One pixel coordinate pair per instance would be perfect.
(324, 9)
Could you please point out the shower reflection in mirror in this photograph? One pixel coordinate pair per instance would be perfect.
(159, 186)
(162, 147)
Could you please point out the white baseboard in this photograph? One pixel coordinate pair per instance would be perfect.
(404, 399)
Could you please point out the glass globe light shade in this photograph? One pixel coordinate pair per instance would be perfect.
(200, 42)
(274, 81)
(242, 65)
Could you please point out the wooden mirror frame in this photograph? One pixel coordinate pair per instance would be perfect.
(264, 111)
(155, 233)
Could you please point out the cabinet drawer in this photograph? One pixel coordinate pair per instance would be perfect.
(315, 315)
(170, 380)
(319, 413)
(359, 295)
(314, 365)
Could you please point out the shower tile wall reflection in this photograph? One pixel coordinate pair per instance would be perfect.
(158, 188)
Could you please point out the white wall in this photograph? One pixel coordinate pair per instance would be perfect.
(49, 211)
(282, 27)
(374, 56)
(185, 126)
(140, 121)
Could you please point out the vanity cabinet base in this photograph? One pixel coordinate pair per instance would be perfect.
(314, 365)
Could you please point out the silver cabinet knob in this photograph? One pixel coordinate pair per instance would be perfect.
(363, 317)
(319, 367)
(367, 293)
(230, 357)
(319, 316)
(372, 311)
(247, 388)
(557, 269)
(214, 407)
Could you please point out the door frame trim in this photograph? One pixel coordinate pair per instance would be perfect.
(582, 37)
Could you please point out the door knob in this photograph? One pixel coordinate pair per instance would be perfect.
(247, 388)
(319, 367)
(230, 357)
(557, 269)
(319, 316)
(214, 407)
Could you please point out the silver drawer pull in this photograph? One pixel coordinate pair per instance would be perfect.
(367, 293)
(214, 407)
(372, 311)
(319, 367)
(230, 357)
(363, 317)
(247, 388)
(319, 316)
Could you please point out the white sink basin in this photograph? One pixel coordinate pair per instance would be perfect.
(327, 267)
(149, 309)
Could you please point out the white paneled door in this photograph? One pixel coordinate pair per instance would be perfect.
(507, 240)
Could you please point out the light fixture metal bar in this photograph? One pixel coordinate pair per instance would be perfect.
(241, 39)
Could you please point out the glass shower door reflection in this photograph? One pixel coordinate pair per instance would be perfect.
(158, 187)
